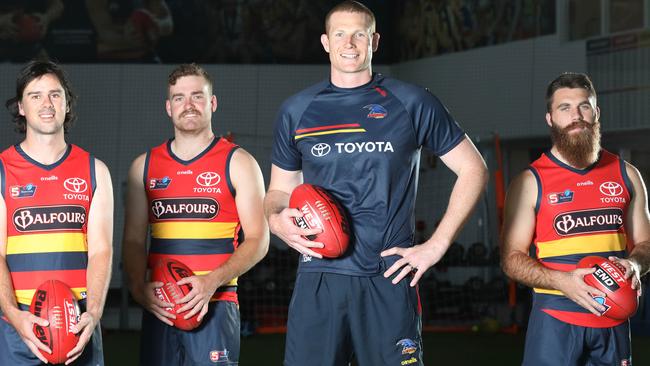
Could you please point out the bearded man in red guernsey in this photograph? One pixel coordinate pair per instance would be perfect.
(202, 196)
(56, 219)
(574, 201)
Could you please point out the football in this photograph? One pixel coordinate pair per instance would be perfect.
(169, 271)
(54, 301)
(321, 210)
(621, 301)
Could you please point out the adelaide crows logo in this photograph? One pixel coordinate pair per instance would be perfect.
(376, 111)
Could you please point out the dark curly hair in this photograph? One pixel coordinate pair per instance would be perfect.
(34, 70)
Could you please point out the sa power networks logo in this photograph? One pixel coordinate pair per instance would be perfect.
(76, 187)
(588, 221)
(612, 192)
(560, 197)
(207, 182)
(159, 183)
(28, 190)
(219, 356)
(320, 149)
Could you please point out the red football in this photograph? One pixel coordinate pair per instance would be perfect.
(320, 209)
(54, 301)
(621, 301)
(170, 271)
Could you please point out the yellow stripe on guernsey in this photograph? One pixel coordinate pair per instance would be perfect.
(25, 296)
(600, 243)
(47, 243)
(597, 244)
(330, 132)
(193, 230)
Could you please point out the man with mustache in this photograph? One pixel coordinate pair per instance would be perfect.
(56, 219)
(202, 197)
(576, 179)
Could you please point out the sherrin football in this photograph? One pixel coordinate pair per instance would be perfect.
(169, 271)
(321, 210)
(55, 302)
(621, 301)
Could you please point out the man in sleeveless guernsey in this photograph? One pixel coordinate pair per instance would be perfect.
(358, 135)
(56, 219)
(575, 181)
(202, 198)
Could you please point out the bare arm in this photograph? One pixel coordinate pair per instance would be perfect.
(637, 228)
(100, 256)
(22, 321)
(466, 162)
(247, 181)
(134, 251)
(280, 216)
(518, 230)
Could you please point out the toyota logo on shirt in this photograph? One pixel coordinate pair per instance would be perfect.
(208, 179)
(75, 185)
(611, 189)
(320, 149)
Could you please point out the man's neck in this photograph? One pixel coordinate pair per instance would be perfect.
(187, 146)
(45, 149)
(350, 80)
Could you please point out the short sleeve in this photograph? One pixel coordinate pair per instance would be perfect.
(285, 152)
(435, 128)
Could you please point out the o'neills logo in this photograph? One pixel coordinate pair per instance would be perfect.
(184, 208)
(49, 218)
(588, 221)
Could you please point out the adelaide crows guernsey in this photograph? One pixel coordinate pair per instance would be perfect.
(579, 213)
(192, 213)
(363, 146)
(47, 219)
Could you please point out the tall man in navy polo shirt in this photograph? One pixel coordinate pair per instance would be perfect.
(358, 135)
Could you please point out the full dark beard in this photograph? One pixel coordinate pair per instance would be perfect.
(577, 148)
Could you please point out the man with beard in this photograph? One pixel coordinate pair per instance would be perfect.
(575, 181)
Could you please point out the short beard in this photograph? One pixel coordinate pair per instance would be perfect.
(577, 148)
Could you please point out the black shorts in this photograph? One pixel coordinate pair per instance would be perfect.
(334, 317)
(552, 342)
(214, 342)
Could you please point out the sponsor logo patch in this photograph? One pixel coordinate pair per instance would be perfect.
(42, 218)
(560, 197)
(588, 221)
(185, 208)
(28, 190)
(159, 183)
(219, 356)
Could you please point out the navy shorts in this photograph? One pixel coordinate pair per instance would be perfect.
(333, 318)
(552, 342)
(215, 342)
(13, 351)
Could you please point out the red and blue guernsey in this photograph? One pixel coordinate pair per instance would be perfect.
(363, 146)
(579, 213)
(193, 215)
(47, 219)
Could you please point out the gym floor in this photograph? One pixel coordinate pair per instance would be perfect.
(459, 349)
